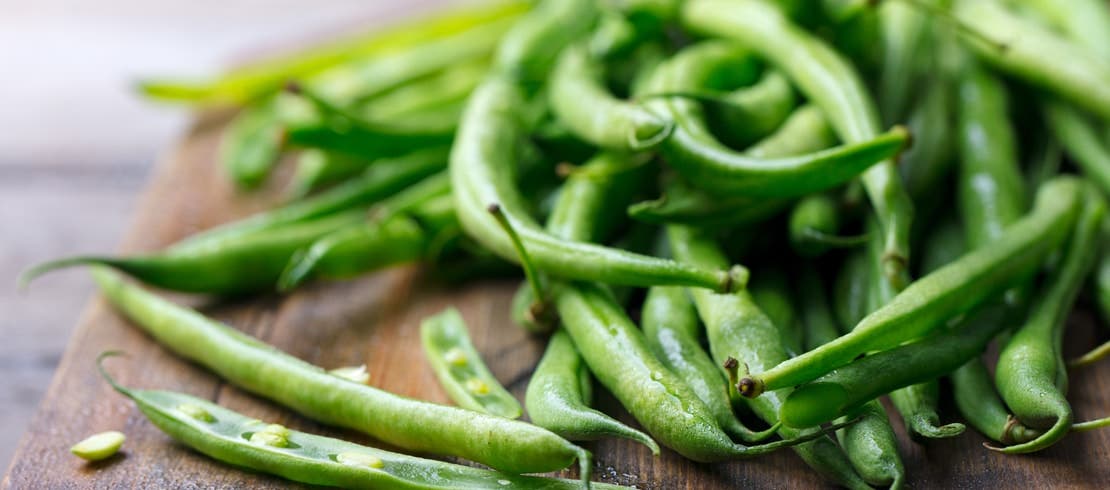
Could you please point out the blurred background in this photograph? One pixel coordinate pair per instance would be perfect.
(77, 143)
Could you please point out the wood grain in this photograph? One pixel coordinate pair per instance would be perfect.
(374, 320)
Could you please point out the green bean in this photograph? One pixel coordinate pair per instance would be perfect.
(618, 355)
(1081, 141)
(814, 224)
(252, 143)
(528, 51)
(737, 329)
(99, 446)
(852, 290)
(381, 180)
(1027, 50)
(906, 49)
(236, 265)
(1084, 21)
(559, 393)
(245, 442)
(319, 123)
(417, 223)
(460, 369)
(349, 84)
(771, 293)
(942, 294)
(670, 324)
(838, 393)
(446, 88)
(261, 79)
(695, 153)
(482, 173)
(828, 81)
(749, 114)
(579, 98)
(498, 442)
(991, 188)
(932, 122)
(319, 168)
(979, 403)
(818, 323)
(1031, 375)
(806, 130)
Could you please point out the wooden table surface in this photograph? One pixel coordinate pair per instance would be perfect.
(374, 321)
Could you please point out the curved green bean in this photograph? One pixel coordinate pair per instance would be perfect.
(559, 393)
(942, 294)
(498, 442)
(1031, 375)
(831, 83)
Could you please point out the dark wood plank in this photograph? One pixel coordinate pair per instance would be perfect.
(374, 320)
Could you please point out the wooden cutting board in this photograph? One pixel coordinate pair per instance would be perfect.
(374, 320)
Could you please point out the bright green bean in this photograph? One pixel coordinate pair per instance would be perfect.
(942, 294)
(252, 143)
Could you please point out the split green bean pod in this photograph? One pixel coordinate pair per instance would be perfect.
(559, 394)
(670, 325)
(831, 83)
(1031, 375)
(942, 294)
(482, 174)
(695, 153)
(578, 96)
(245, 442)
(460, 369)
(737, 329)
(504, 444)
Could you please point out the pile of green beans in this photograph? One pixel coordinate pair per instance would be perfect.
(870, 161)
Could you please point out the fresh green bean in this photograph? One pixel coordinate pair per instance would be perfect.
(482, 173)
(261, 79)
(805, 131)
(771, 291)
(417, 223)
(1081, 141)
(904, 35)
(1031, 375)
(498, 442)
(618, 355)
(446, 88)
(1027, 50)
(828, 81)
(319, 168)
(670, 324)
(838, 393)
(694, 152)
(979, 403)
(737, 329)
(559, 394)
(579, 98)
(383, 179)
(932, 122)
(460, 369)
(236, 265)
(252, 143)
(1084, 21)
(320, 123)
(245, 442)
(942, 294)
(528, 51)
(814, 224)
(749, 114)
(852, 290)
